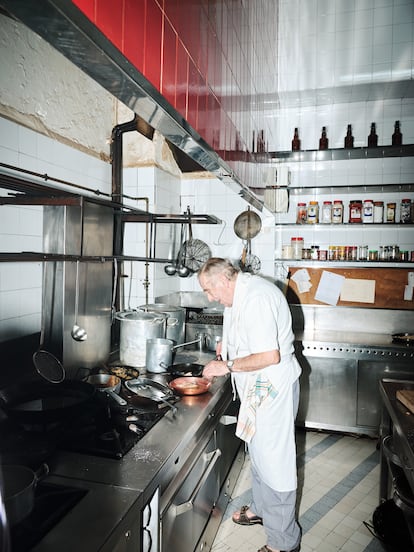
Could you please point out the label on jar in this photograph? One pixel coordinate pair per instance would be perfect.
(368, 212)
(337, 213)
(313, 213)
(378, 211)
(405, 215)
(390, 212)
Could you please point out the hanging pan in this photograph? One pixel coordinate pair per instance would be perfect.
(247, 225)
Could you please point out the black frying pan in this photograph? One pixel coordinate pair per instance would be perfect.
(185, 369)
(40, 402)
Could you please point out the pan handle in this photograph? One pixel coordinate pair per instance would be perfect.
(116, 397)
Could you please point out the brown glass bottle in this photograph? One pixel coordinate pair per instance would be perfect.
(349, 139)
(323, 140)
(296, 141)
(372, 137)
(397, 136)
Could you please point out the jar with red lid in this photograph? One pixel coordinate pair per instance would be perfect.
(297, 247)
(337, 212)
(301, 213)
(326, 216)
(355, 211)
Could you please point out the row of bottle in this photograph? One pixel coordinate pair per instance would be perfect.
(297, 251)
(372, 140)
(366, 212)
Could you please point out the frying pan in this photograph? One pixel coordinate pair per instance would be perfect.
(19, 490)
(190, 385)
(185, 369)
(247, 225)
(41, 401)
(150, 389)
(107, 383)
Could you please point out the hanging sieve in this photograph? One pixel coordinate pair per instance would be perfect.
(46, 364)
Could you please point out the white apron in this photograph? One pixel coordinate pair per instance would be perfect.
(259, 320)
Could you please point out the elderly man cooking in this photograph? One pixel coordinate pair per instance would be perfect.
(257, 348)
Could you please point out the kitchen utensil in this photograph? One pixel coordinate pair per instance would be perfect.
(115, 282)
(135, 328)
(159, 353)
(190, 385)
(78, 333)
(247, 225)
(41, 401)
(175, 320)
(19, 485)
(172, 269)
(185, 369)
(109, 384)
(194, 252)
(251, 263)
(46, 364)
(151, 389)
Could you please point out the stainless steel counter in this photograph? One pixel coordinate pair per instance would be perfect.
(341, 371)
(118, 489)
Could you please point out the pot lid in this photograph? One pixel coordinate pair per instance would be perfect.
(140, 316)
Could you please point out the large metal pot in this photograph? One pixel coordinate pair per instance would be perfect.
(19, 490)
(175, 320)
(135, 328)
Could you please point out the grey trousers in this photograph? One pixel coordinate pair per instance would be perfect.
(277, 509)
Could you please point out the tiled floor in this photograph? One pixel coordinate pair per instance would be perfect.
(338, 480)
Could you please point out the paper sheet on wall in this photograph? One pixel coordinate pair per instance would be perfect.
(329, 288)
(358, 291)
(302, 280)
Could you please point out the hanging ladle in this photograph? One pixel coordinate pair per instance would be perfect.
(78, 333)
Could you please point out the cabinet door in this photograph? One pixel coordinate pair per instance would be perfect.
(328, 389)
(184, 520)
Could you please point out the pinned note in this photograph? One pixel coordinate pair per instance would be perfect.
(329, 288)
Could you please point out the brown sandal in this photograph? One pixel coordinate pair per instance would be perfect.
(243, 518)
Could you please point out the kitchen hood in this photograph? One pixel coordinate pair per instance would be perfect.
(76, 37)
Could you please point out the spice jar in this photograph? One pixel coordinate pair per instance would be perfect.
(313, 212)
(297, 247)
(373, 255)
(378, 211)
(405, 211)
(355, 211)
(314, 252)
(368, 211)
(363, 253)
(390, 214)
(337, 212)
(301, 213)
(326, 217)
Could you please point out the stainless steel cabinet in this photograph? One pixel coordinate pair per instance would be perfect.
(185, 518)
(370, 373)
(328, 387)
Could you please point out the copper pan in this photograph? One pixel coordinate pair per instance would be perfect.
(190, 385)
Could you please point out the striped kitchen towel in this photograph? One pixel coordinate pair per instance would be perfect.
(259, 391)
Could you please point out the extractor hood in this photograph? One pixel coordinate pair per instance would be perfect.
(71, 33)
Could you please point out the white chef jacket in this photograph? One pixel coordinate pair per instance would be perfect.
(258, 321)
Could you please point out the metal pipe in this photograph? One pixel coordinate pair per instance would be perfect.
(117, 193)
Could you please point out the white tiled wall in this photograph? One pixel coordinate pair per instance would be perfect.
(21, 228)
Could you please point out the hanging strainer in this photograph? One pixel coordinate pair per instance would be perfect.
(46, 364)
